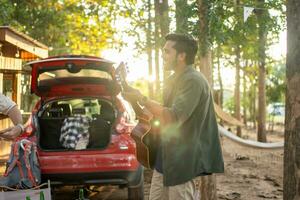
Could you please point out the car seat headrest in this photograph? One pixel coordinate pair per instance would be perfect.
(78, 111)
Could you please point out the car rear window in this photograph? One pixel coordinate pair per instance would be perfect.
(63, 73)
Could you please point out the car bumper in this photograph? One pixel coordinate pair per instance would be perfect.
(126, 178)
(86, 162)
(90, 167)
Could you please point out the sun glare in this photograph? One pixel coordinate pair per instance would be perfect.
(137, 65)
(150, 78)
(278, 50)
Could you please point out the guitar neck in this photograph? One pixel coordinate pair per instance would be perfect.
(141, 113)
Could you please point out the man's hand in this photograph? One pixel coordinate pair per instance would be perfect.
(12, 133)
(132, 95)
(128, 88)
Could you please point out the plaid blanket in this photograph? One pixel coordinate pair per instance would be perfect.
(75, 132)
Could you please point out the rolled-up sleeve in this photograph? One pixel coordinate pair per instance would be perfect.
(186, 100)
(6, 104)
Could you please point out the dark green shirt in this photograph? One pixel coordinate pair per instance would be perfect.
(191, 145)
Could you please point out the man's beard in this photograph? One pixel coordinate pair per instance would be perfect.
(171, 66)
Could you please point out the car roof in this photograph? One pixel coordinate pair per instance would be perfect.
(71, 57)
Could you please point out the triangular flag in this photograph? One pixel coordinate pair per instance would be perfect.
(247, 12)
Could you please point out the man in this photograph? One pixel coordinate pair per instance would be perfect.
(190, 144)
(10, 108)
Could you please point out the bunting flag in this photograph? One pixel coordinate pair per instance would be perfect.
(247, 12)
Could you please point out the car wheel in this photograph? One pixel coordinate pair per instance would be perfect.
(136, 192)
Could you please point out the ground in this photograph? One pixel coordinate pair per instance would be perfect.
(250, 174)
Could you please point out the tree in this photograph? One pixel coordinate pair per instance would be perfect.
(156, 48)
(181, 16)
(204, 40)
(276, 82)
(291, 179)
(208, 183)
(89, 25)
(238, 44)
(262, 42)
(161, 29)
(6, 12)
(140, 16)
(163, 11)
(39, 19)
(149, 50)
(70, 26)
(220, 82)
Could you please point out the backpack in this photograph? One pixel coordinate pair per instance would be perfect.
(22, 168)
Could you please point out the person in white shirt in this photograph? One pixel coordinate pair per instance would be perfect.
(10, 108)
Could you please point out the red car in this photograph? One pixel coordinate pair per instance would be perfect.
(83, 86)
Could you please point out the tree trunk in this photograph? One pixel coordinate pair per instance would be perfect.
(254, 105)
(252, 99)
(205, 66)
(262, 41)
(181, 15)
(208, 190)
(251, 104)
(157, 46)
(261, 118)
(163, 8)
(245, 94)
(149, 52)
(208, 183)
(237, 102)
(291, 179)
(164, 17)
(220, 77)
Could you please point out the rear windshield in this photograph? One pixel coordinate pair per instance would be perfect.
(63, 73)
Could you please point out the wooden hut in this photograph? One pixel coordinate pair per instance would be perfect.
(16, 48)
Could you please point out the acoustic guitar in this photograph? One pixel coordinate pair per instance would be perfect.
(146, 132)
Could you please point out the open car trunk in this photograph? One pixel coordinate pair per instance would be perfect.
(76, 124)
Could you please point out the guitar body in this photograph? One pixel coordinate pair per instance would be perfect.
(147, 142)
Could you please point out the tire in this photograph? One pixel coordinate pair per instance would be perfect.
(136, 192)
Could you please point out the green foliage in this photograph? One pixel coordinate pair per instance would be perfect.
(40, 19)
(90, 29)
(276, 83)
(185, 21)
(226, 26)
(229, 105)
(141, 85)
(135, 14)
(68, 26)
(6, 11)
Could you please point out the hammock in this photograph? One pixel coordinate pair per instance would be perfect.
(226, 117)
(249, 143)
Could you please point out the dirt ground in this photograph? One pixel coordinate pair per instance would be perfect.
(250, 174)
